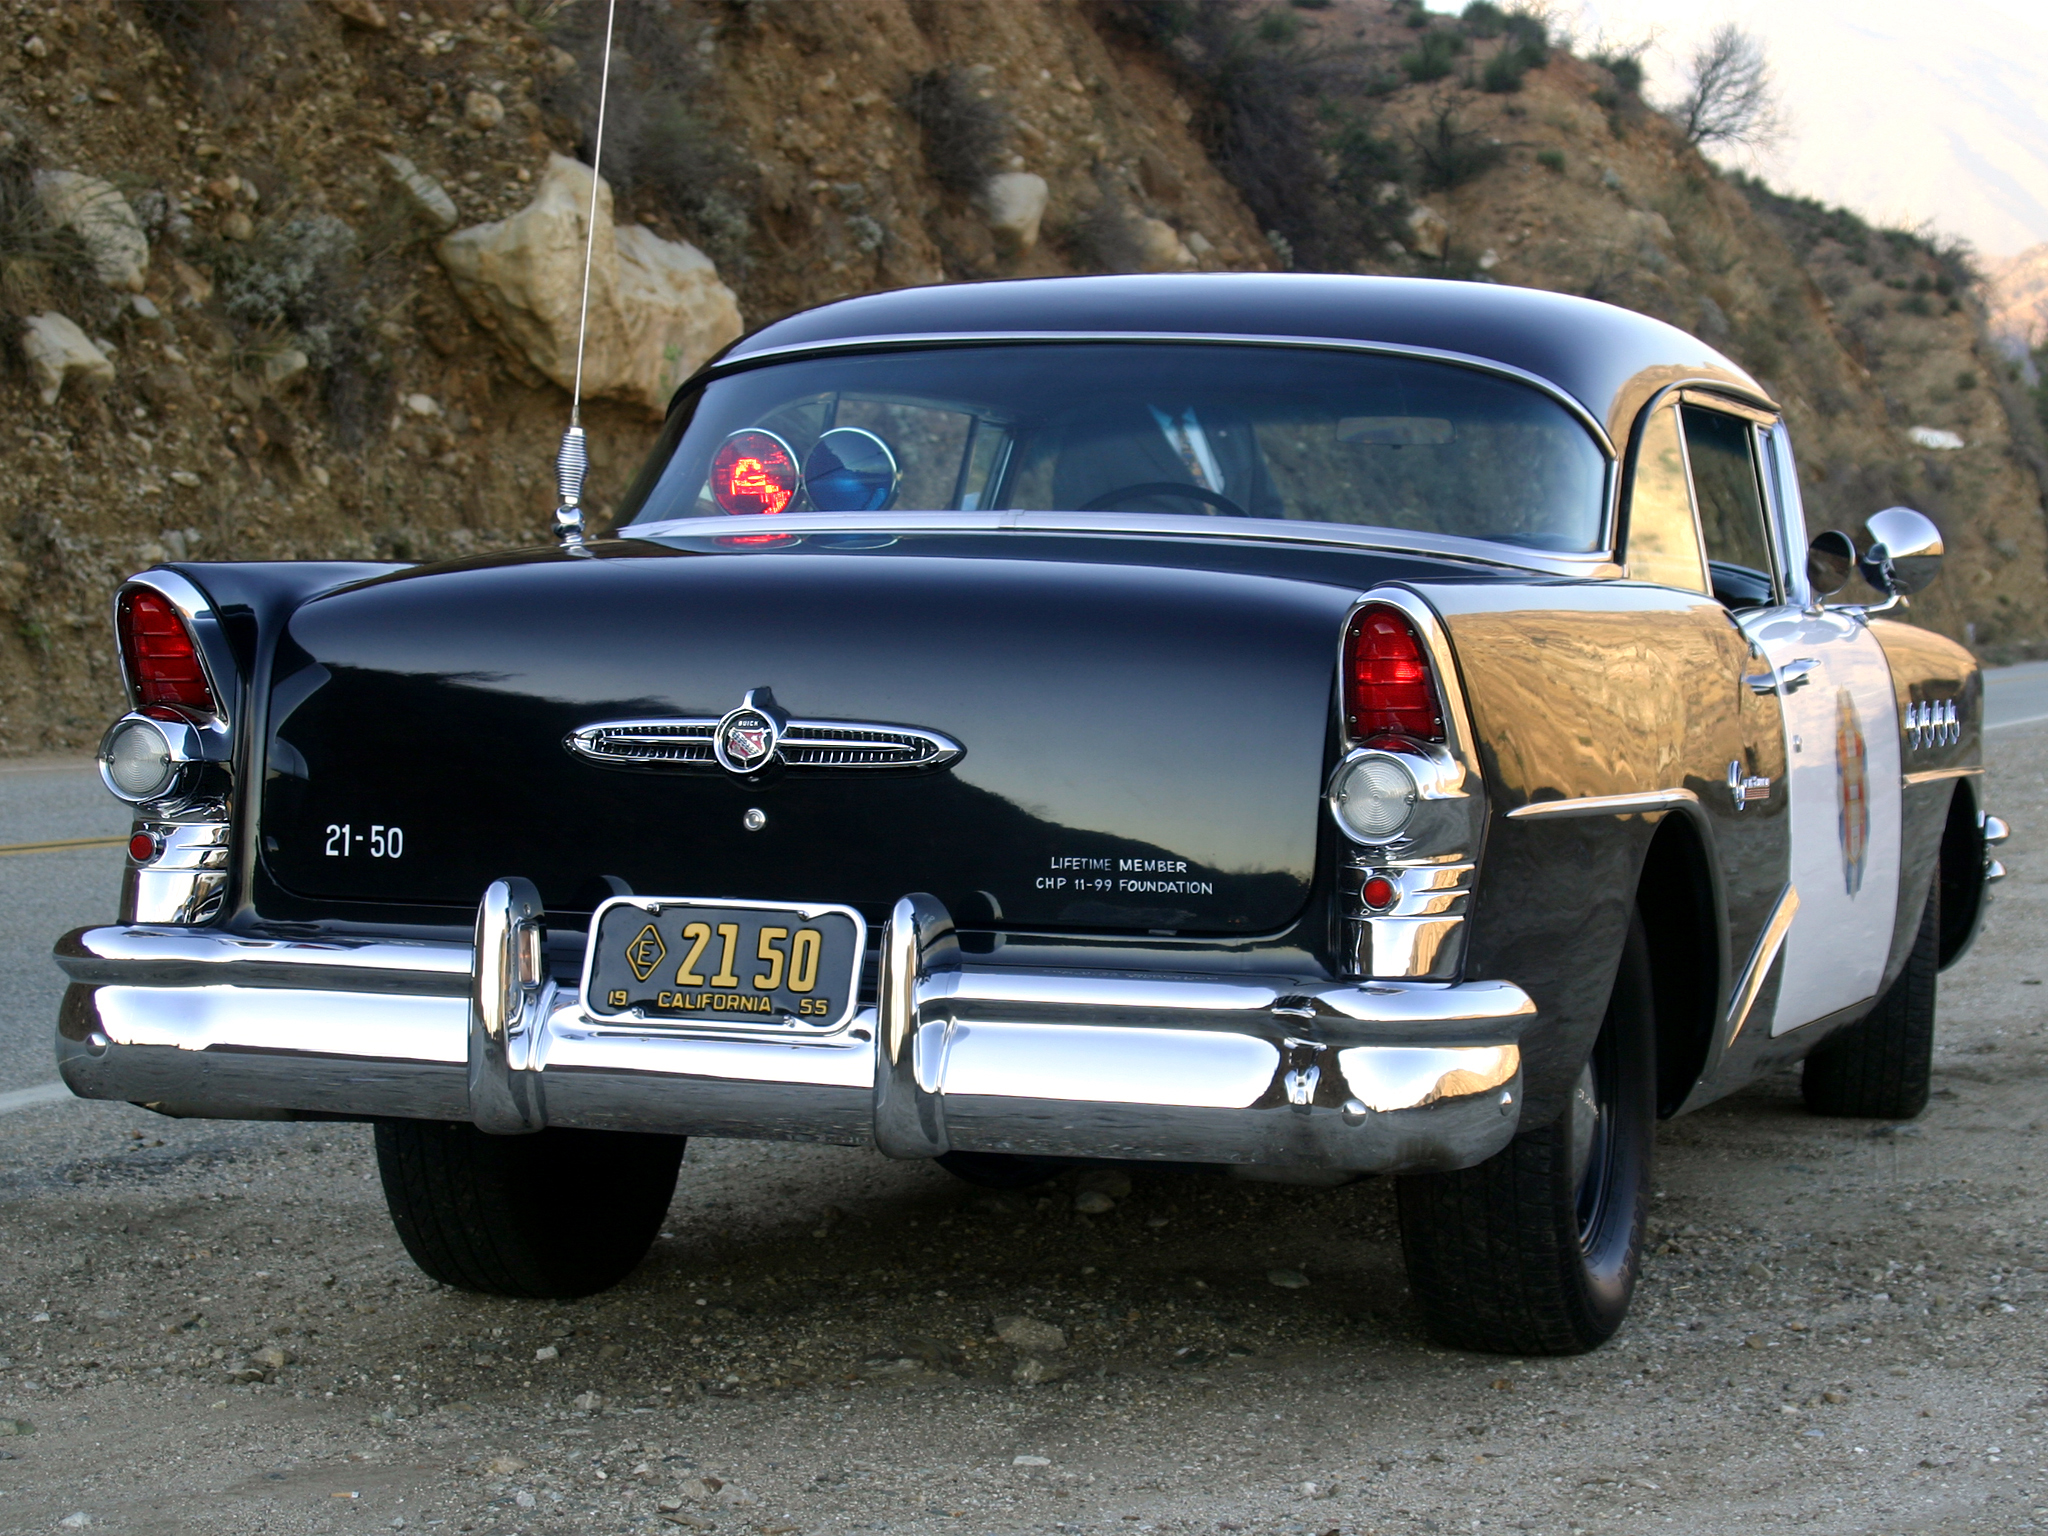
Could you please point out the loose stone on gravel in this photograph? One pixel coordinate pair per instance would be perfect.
(1113, 1182)
(1287, 1279)
(1030, 1336)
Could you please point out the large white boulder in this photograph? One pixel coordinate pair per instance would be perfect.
(1014, 204)
(58, 352)
(1160, 248)
(657, 308)
(112, 233)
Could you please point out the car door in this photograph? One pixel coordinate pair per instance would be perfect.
(1842, 752)
(1685, 530)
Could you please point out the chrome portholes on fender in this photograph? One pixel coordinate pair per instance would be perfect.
(1931, 723)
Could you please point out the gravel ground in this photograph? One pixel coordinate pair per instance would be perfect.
(210, 1326)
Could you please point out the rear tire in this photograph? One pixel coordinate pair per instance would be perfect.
(1882, 1067)
(557, 1214)
(1535, 1251)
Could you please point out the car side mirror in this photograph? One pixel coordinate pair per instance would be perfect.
(1830, 562)
(1905, 552)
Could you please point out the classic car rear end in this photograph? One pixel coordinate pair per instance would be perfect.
(1190, 720)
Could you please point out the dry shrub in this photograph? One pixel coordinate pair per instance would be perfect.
(658, 143)
(964, 133)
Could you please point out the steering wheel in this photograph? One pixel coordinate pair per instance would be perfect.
(1215, 500)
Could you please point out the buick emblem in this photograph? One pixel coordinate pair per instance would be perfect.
(745, 740)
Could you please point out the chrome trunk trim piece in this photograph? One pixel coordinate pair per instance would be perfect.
(686, 743)
(1605, 805)
(1761, 959)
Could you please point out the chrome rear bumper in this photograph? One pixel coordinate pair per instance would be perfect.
(1373, 1076)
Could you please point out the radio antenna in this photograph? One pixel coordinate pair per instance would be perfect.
(572, 459)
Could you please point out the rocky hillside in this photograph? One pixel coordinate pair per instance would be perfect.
(296, 278)
(2017, 292)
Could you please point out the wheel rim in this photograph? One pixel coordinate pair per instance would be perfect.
(1592, 1121)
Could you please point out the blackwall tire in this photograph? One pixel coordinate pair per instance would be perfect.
(1882, 1067)
(1535, 1251)
(557, 1214)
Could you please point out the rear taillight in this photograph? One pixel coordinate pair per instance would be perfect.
(1387, 684)
(163, 663)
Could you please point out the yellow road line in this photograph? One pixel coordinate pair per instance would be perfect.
(62, 843)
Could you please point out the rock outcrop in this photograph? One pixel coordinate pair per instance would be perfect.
(104, 221)
(426, 196)
(657, 308)
(1014, 203)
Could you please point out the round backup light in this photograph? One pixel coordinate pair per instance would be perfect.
(850, 470)
(754, 472)
(1373, 797)
(136, 759)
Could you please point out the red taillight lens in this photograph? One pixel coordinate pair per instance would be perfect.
(1387, 686)
(163, 663)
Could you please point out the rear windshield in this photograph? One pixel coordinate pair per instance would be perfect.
(1224, 431)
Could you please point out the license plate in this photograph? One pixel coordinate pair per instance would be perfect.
(736, 964)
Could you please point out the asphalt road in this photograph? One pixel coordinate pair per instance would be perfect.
(44, 894)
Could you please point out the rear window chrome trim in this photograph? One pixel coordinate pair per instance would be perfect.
(715, 531)
(740, 363)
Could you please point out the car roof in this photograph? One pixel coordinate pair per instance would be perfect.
(1610, 360)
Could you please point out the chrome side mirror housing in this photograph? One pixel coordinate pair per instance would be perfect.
(1830, 562)
(1905, 552)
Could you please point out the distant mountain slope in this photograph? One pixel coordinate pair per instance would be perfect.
(2017, 291)
(1905, 114)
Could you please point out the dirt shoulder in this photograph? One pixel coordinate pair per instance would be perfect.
(1842, 1324)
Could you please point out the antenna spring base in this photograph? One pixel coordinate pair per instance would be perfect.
(572, 463)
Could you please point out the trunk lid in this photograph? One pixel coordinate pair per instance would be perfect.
(1144, 735)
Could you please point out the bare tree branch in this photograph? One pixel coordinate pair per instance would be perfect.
(1730, 96)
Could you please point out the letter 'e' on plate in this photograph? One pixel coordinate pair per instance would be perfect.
(774, 967)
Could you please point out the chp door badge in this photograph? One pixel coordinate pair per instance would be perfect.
(745, 740)
(1852, 779)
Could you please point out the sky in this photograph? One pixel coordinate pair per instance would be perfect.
(1909, 113)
